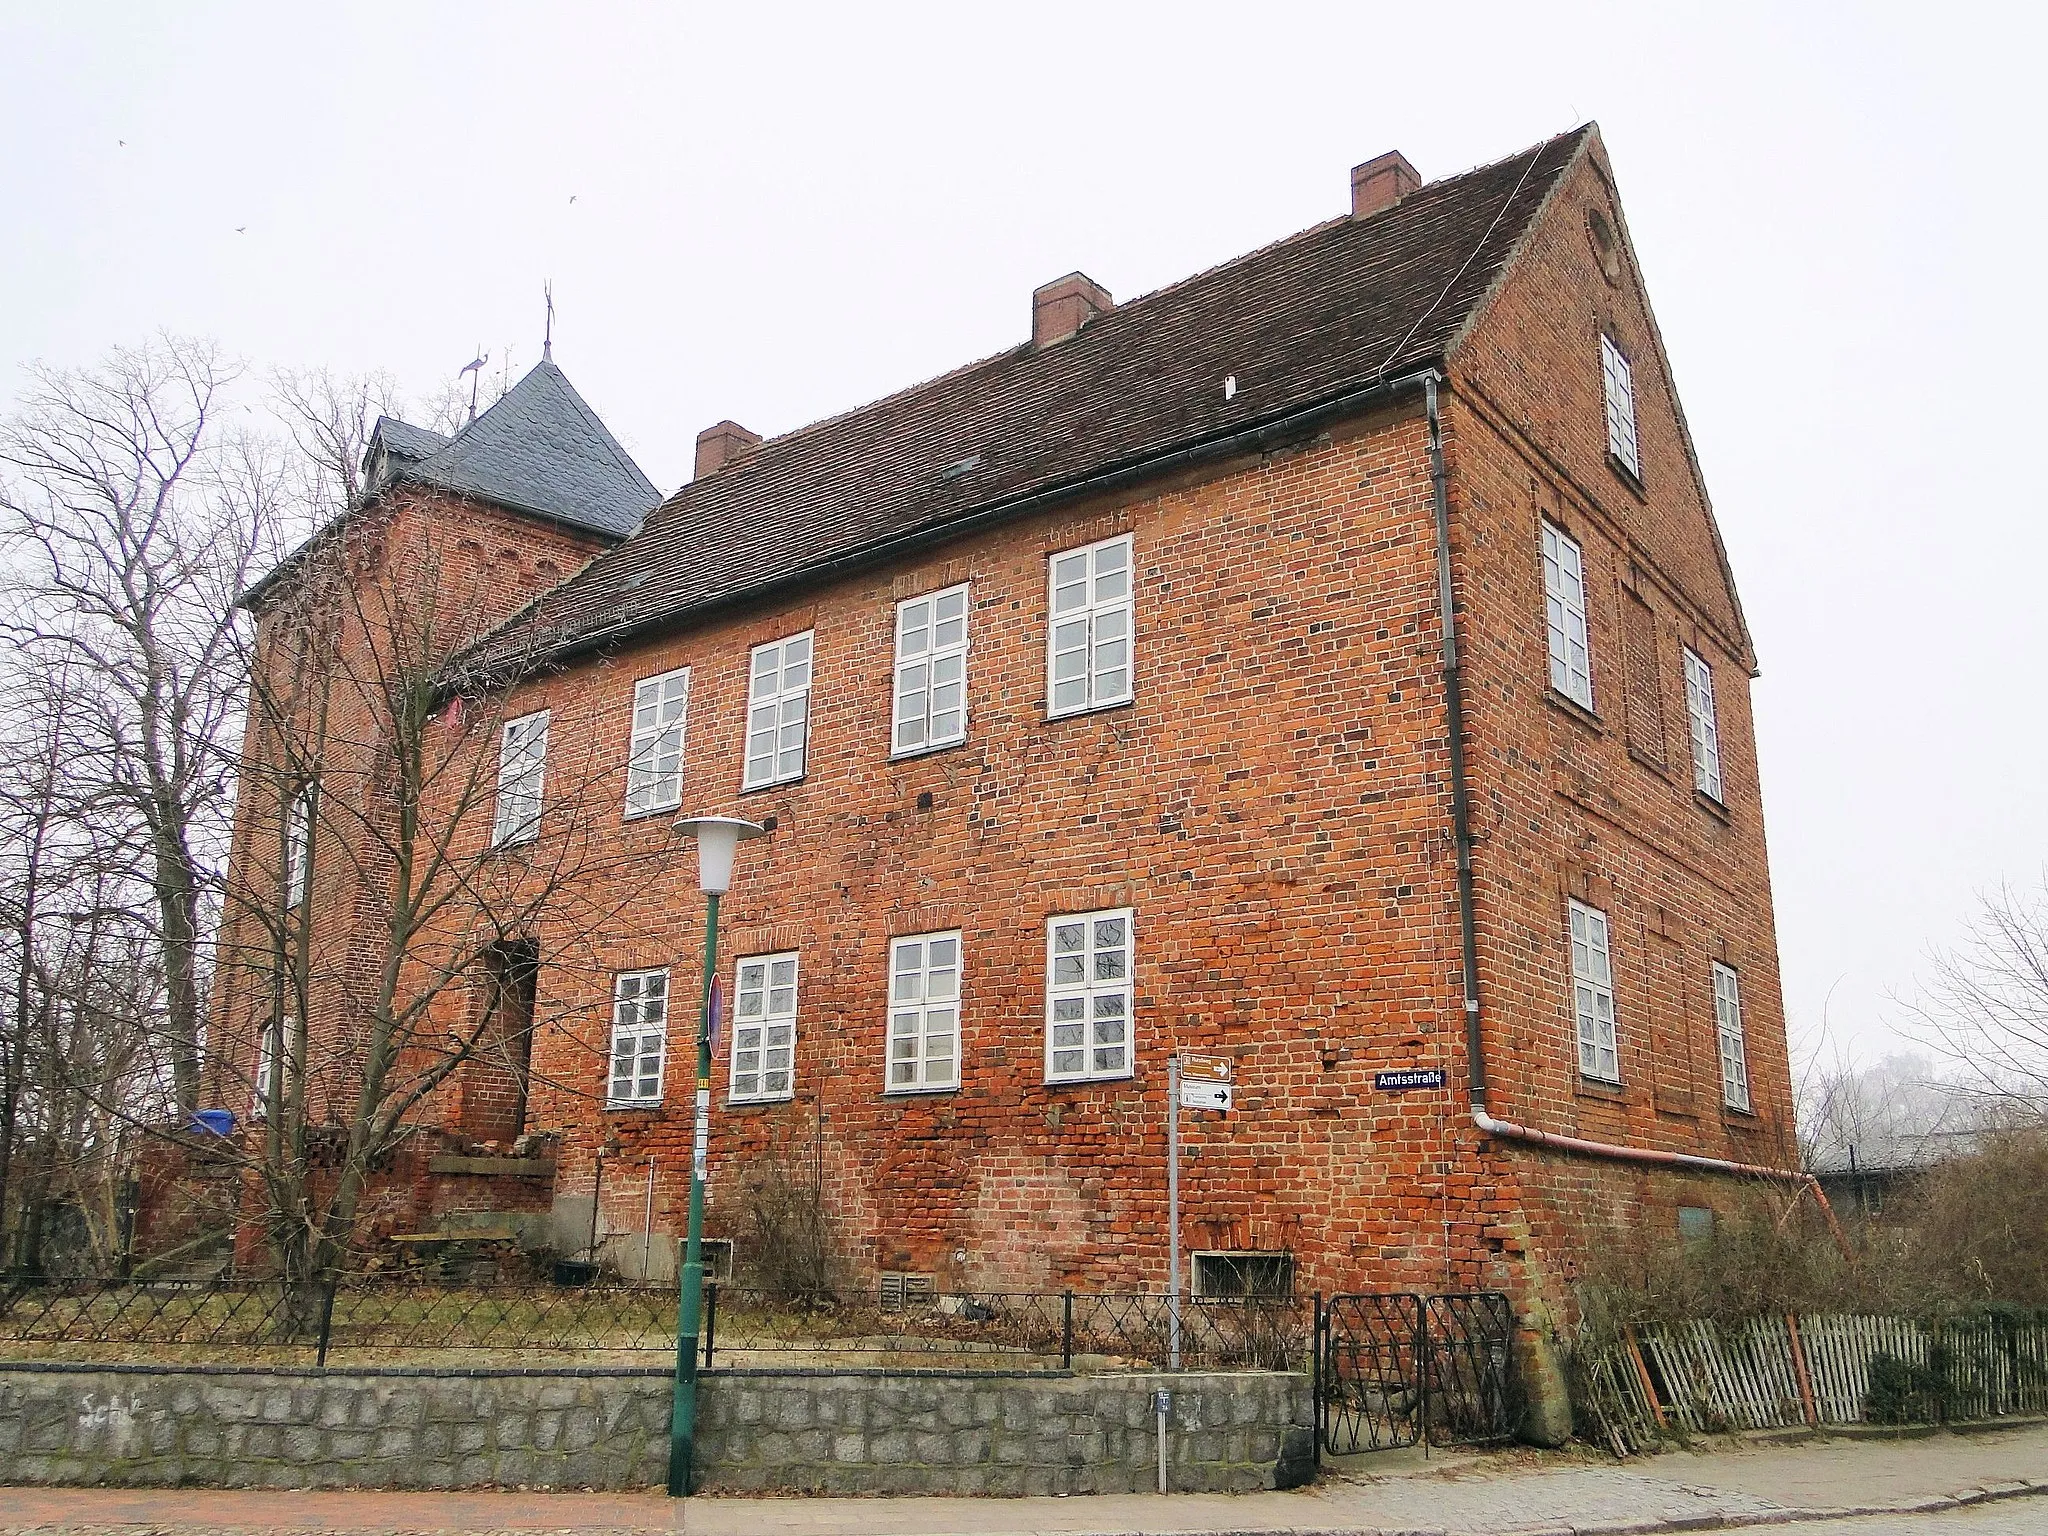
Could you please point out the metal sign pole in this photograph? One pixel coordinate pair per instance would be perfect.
(1173, 1208)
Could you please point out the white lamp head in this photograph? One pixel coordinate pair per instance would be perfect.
(717, 839)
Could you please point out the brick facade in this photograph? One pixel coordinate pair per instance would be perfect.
(1272, 807)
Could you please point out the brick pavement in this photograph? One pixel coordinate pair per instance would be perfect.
(1898, 1485)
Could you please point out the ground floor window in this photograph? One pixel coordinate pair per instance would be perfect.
(764, 1027)
(1243, 1274)
(924, 1012)
(639, 1037)
(1088, 996)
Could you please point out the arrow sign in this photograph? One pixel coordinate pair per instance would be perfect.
(1205, 1081)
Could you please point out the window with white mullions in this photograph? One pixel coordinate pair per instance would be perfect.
(924, 1013)
(1728, 1026)
(654, 760)
(764, 1027)
(522, 774)
(1564, 600)
(1088, 996)
(778, 711)
(1088, 650)
(639, 1038)
(931, 671)
(298, 846)
(1706, 733)
(1593, 994)
(1618, 383)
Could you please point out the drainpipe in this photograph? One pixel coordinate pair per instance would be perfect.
(1461, 826)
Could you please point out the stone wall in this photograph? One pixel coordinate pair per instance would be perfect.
(792, 1431)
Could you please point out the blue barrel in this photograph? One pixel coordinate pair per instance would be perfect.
(215, 1122)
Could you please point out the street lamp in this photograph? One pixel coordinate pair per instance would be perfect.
(717, 838)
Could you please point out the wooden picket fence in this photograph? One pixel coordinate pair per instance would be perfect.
(1662, 1379)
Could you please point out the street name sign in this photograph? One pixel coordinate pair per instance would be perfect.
(1405, 1078)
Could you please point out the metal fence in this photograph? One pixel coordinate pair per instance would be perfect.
(1396, 1368)
(377, 1321)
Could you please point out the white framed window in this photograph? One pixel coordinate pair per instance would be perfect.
(1088, 647)
(1728, 1027)
(924, 1012)
(1593, 994)
(522, 776)
(654, 758)
(931, 671)
(267, 1036)
(778, 711)
(1706, 734)
(1618, 382)
(1564, 602)
(298, 846)
(764, 1028)
(639, 1038)
(1088, 996)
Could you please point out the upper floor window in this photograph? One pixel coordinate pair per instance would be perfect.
(639, 1038)
(1728, 1028)
(1564, 601)
(1088, 996)
(522, 773)
(654, 759)
(1618, 381)
(1706, 735)
(764, 1027)
(778, 711)
(298, 846)
(931, 671)
(924, 1012)
(1088, 651)
(1593, 994)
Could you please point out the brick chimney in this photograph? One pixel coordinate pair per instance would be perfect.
(1381, 182)
(1061, 308)
(720, 445)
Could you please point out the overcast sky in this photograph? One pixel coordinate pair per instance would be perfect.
(775, 214)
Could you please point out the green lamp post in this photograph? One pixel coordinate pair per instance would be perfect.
(717, 838)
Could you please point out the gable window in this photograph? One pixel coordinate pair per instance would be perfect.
(298, 846)
(1088, 996)
(1728, 1027)
(1564, 603)
(764, 1027)
(1618, 382)
(1593, 994)
(522, 772)
(639, 1038)
(1706, 735)
(1088, 651)
(924, 1012)
(654, 759)
(931, 671)
(778, 711)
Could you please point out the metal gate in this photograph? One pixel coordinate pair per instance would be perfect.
(1395, 1368)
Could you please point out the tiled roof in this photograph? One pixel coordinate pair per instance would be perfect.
(540, 449)
(1337, 307)
(403, 440)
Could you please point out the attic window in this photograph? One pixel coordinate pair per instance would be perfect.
(960, 467)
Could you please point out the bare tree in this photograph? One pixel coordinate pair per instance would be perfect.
(1985, 1012)
(129, 547)
(389, 886)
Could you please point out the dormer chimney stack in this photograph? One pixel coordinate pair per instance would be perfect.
(1061, 308)
(722, 445)
(1381, 182)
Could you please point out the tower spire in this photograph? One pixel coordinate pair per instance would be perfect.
(547, 335)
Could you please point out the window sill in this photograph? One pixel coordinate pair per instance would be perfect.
(1564, 703)
(1090, 1082)
(909, 754)
(760, 1101)
(1711, 806)
(646, 1106)
(762, 789)
(918, 1093)
(1628, 477)
(652, 811)
(1642, 759)
(1091, 709)
(1739, 1119)
(1600, 1088)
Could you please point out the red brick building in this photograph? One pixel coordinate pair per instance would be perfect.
(1101, 702)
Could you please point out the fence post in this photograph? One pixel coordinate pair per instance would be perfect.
(326, 1322)
(1425, 1368)
(1315, 1377)
(1066, 1330)
(710, 1320)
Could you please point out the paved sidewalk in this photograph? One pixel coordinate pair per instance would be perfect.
(1492, 1495)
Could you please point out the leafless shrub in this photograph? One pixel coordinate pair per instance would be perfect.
(790, 1243)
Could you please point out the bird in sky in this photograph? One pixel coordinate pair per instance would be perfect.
(241, 229)
(572, 197)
